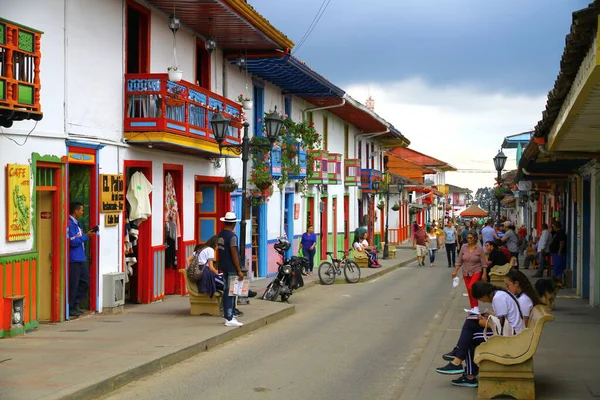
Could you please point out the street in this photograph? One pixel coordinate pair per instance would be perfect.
(345, 341)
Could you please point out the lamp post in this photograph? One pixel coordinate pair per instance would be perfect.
(499, 162)
(219, 123)
(386, 250)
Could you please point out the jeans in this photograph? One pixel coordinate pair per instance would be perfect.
(432, 255)
(451, 254)
(79, 282)
(559, 263)
(310, 255)
(471, 336)
(469, 281)
(228, 301)
(541, 261)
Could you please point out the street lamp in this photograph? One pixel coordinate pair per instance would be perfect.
(386, 249)
(499, 162)
(220, 124)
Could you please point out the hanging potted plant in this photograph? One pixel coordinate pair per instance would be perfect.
(499, 192)
(175, 74)
(440, 208)
(381, 205)
(229, 184)
(396, 207)
(247, 103)
(261, 166)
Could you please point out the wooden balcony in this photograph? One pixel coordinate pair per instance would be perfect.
(351, 172)
(368, 177)
(20, 86)
(334, 168)
(175, 116)
(300, 159)
(319, 168)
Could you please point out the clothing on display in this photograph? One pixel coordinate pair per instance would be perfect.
(172, 223)
(138, 196)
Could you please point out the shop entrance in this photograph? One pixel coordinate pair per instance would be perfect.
(173, 228)
(48, 223)
(346, 222)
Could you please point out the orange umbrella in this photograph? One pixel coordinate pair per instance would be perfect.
(474, 211)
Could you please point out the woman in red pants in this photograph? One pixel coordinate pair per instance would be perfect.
(471, 259)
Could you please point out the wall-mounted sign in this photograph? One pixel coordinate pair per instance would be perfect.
(111, 219)
(111, 193)
(46, 215)
(296, 210)
(18, 203)
(199, 198)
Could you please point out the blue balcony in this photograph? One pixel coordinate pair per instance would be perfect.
(368, 177)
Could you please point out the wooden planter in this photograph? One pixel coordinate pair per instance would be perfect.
(235, 124)
(174, 102)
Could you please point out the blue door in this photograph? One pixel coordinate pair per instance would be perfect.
(289, 222)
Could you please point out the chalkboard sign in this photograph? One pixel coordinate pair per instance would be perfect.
(112, 198)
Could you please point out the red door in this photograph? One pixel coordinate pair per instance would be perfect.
(334, 215)
(324, 230)
(346, 221)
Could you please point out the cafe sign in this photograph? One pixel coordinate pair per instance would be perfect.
(18, 202)
(112, 199)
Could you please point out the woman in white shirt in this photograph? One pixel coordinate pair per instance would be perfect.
(371, 252)
(505, 307)
(518, 284)
(432, 244)
(206, 257)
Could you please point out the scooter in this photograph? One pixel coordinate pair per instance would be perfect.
(289, 274)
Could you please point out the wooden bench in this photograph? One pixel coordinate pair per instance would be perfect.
(506, 362)
(497, 273)
(361, 259)
(201, 303)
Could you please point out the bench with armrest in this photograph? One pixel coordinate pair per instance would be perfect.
(361, 259)
(201, 303)
(506, 362)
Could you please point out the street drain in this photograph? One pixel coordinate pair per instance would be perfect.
(74, 330)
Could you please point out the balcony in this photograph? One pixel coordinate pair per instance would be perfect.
(175, 116)
(276, 162)
(351, 172)
(20, 86)
(300, 159)
(367, 177)
(319, 169)
(334, 168)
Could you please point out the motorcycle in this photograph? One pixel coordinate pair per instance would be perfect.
(289, 274)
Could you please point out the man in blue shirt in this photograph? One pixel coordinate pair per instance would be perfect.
(488, 233)
(79, 274)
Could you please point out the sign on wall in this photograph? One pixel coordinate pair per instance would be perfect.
(111, 193)
(18, 203)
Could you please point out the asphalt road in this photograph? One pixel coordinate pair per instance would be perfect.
(345, 342)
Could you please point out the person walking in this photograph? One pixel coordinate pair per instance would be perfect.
(79, 273)
(308, 244)
(512, 243)
(229, 263)
(420, 245)
(488, 233)
(558, 247)
(543, 250)
(432, 245)
(450, 243)
(471, 259)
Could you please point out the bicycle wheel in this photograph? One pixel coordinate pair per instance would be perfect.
(351, 271)
(326, 273)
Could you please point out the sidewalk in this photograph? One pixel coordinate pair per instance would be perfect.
(95, 354)
(566, 361)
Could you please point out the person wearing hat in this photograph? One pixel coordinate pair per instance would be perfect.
(229, 263)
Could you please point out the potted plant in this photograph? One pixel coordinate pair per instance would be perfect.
(175, 74)
(396, 207)
(247, 103)
(440, 208)
(229, 184)
(499, 192)
(260, 175)
(176, 96)
(381, 205)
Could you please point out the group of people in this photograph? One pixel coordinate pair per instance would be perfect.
(430, 241)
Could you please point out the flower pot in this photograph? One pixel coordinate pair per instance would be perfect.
(247, 104)
(175, 75)
(174, 102)
(499, 196)
(264, 185)
(228, 187)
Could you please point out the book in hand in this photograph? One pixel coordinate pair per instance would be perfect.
(237, 287)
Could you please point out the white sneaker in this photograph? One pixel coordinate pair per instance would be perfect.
(233, 323)
(475, 310)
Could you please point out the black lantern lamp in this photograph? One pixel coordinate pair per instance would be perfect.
(174, 23)
(219, 124)
(500, 161)
(376, 186)
(273, 124)
(210, 45)
(241, 62)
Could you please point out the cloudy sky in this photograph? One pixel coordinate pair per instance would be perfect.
(455, 76)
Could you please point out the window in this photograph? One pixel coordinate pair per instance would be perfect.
(346, 140)
(137, 39)
(203, 62)
(325, 131)
(287, 106)
(372, 158)
(359, 152)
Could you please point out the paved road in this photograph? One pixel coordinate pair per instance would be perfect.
(344, 342)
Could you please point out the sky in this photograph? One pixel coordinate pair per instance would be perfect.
(454, 76)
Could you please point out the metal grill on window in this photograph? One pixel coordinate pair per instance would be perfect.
(44, 177)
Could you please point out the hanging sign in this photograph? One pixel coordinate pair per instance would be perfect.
(111, 219)
(46, 215)
(111, 193)
(18, 203)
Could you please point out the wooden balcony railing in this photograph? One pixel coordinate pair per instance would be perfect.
(320, 174)
(299, 159)
(334, 168)
(351, 172)
(153, 103)
(20, 86)
(367, 177)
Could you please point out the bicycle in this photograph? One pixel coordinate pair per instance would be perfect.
(328, 271)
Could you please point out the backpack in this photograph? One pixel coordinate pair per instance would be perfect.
(195, 269)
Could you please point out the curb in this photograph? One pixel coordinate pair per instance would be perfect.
(113, 383)
(387, 270)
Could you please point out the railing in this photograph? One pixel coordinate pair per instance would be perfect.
(351, 172)
(153, 103)
(334, 168)
(300, 159)
(20, 58)
(319, 169)
(367, 177)
(393, 235)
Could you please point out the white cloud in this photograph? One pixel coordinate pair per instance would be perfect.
(459, 124)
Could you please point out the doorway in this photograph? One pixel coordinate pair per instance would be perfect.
(137, 37)
(289, 222)
(203, 65)
(334, 217)
(173, 227)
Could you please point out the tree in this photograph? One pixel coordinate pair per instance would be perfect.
(484, 198)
